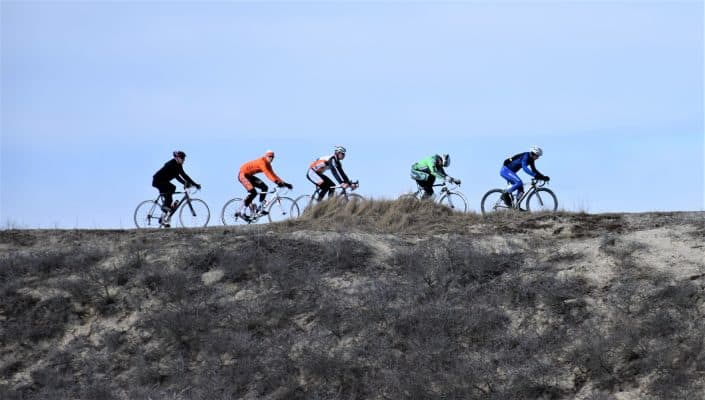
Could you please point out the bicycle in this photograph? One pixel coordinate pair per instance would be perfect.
(538, 198)
(305, 201)
(450, 196)
(196, 213)
(276, 207)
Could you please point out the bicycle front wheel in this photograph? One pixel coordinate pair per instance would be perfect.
(147, 214)
(194, 214)
(282, 208)
(352, 197)
(301, 203)
(455, 201)
(542, 200)
(492, 202)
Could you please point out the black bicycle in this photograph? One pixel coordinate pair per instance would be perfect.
(537, 198)
(193, 213)
(307, 200)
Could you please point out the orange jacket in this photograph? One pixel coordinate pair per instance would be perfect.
(260, 165)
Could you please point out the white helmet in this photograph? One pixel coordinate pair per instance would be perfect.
(536, 150)
(446, 160)
(339, 149)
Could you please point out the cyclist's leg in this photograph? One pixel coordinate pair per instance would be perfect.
(424, 180)
(167, 190)
(263, 188)
(513, 179)
(252, 193)
(427, 186)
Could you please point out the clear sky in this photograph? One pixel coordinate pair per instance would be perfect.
(96, 96)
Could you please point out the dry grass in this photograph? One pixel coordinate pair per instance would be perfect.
(333, 306)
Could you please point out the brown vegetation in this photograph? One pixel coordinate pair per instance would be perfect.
(380, 300)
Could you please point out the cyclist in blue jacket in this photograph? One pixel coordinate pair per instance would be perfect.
(512, 165)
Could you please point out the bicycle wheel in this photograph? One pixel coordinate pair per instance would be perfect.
(492, 202)
(194, 214)
(352, 197)
(542, 199)
(301, 203)
(147, 214)
(227, 214)
(408, 196)
(455, 201)
(281, 209)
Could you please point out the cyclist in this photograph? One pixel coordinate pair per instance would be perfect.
(426, 170)
(512, 165)
(172, 169)
(247, 178)
(330, 162)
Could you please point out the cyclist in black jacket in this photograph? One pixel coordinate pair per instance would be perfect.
(172, 169)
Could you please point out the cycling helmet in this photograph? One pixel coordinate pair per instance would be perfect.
(340, 149)
(269, 153)
(536, 150)
(446, 160)
(179, 153)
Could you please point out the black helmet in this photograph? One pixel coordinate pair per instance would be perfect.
(179, 153)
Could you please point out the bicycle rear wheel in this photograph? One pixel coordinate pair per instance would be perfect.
(281, 209)
(228, 214)
(147, 214)
(492, 202)
(455, 201)
(301, 203)
(542, 199)
(194, 214)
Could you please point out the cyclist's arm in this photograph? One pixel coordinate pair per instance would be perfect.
(269, 172)
(527, 164)
(338, 173)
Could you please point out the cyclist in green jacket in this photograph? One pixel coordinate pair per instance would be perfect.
(426, 170)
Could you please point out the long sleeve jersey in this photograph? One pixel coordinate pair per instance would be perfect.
(330, 162)
(522, 161)
(428, 165)
(173, 170)
(260, 165)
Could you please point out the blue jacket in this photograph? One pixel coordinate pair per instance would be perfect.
(522, 160)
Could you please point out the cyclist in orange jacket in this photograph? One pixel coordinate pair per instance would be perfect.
(247, 178)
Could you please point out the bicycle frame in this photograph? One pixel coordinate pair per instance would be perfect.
(343, 192)
(445, 189)
(532, 188)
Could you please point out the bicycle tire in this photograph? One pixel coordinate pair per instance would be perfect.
(301, 204)
(455, 201)
(492, 202)
(194, 214)
(147, 214)
(227, 214)
(352, 197)
(544, 200)
(408, 196)
(280, 209)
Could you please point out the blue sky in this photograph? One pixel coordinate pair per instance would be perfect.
(96, 95)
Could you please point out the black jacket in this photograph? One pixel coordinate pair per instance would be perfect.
(172, 170)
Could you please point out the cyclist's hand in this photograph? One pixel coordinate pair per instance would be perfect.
(198, 186)
(284, 184)
(456, 181)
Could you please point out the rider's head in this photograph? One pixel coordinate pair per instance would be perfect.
(179, 156)
(269, 154)
(443, 160)
(339, 152)
(536, 151)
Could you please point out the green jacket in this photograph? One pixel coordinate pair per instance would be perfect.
(428, 165)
